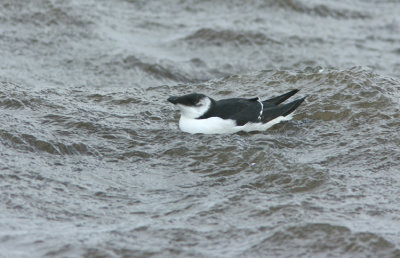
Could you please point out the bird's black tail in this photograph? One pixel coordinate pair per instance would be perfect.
(278, 100)
(281, 110)
(290, 107)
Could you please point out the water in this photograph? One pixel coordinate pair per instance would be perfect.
(93, 164)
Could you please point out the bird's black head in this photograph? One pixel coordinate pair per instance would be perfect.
(192, 105)
(190, 100)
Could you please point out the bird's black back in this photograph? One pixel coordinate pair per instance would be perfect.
(248, 110)
(238, 109)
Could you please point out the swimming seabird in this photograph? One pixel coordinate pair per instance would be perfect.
(202, 114)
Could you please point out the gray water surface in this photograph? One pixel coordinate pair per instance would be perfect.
(92, 163)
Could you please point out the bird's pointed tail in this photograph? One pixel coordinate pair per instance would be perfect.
(290, 107)
(281, 110)
(278, 100)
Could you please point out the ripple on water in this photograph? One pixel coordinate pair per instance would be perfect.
(322, 10)
(206, 36)
(34, 144)
(322, 238)
(123, 160)
(92, 162)
(301, 178)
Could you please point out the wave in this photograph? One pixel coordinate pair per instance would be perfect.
(49, 14)
(32, 143)
(321, 10)
(207, 36)
(331, 240)
(156, 70)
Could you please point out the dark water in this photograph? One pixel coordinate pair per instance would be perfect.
(93, 164)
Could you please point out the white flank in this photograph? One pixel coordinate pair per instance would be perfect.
(212, 125)
(262, 127)
(216, 125)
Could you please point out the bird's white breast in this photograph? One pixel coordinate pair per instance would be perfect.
(216, 125)
(212, 125)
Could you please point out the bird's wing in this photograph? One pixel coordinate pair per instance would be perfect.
(244, 111)
(241, 110)
(248, 110)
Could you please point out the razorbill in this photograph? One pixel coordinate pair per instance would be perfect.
(202, 114)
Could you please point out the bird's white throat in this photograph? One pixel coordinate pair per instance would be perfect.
(192, 112)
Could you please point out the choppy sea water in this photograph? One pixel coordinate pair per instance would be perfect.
(92, 163)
